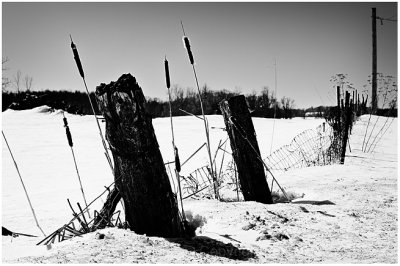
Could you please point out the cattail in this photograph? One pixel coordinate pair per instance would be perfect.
(69, 137)
(177, 161)
(167, 73)
(76, 57)
(187, 45)
(65, 122)
(80, 68)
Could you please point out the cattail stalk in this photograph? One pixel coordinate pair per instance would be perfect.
(82, 74)
(70, 143)
(206, 127)
(23, 185)
(176, 154)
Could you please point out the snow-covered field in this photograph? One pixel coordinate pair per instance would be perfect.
(360, 228)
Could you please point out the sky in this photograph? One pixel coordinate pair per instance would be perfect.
(235, 45)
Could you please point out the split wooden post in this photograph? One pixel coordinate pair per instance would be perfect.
(246, 152)
(338, 110)
(365, 104)
(140, 175)
(348, 112)
(106, 213)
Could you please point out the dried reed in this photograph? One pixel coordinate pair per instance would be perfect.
(23, 185)
(206, 127)
(70, 143)
(82, 74)
(176, 154)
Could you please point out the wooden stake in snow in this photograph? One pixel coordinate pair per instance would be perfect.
(245, 150)
(23, 185)
(339, 114)
(150, 205)
(347, 120)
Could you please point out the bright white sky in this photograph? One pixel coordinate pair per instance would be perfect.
(234, 45)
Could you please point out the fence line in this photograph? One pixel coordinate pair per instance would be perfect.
(312, 147)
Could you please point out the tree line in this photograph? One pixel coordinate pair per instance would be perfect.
(183, 102)
(186, 102)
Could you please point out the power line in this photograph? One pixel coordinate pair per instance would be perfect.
(386, 19)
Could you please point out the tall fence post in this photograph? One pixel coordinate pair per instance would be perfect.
(246, 152)
(140, 175)
(338, 110)
(347, 123)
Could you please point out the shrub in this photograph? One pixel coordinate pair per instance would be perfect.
(193, 223)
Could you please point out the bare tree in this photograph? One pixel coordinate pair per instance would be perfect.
(387, 91)
(5, 82)
(17, 80)
(252, 100)
(342, 80)
(266, 99)
(177, 93)
(28, 82)
(287, 106)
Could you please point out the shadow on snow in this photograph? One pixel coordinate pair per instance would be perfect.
(202, 244)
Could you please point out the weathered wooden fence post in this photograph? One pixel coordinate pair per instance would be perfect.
(140, 176)
(347, 120)
(246, 152)
(339, 114)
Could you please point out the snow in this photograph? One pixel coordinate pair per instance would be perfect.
(361, 226)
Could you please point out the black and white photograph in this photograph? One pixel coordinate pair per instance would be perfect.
(199, 132)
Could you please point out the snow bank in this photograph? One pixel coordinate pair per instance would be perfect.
(360, 228)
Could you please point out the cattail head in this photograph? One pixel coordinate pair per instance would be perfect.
(69, 136)
(187, 45)
(65, 122)
(177, 161)
(76, 57)
(167, 73)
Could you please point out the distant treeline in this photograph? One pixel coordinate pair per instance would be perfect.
(183, 101)
(186, 101)
(72, 102)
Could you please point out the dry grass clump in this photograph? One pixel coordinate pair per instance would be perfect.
(279, 197)
(193, 223)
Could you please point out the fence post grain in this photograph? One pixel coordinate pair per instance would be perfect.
(338, 109)
(347, 120)
(150, 205)
(246, 152)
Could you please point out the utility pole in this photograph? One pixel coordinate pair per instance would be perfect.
(374, 103)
